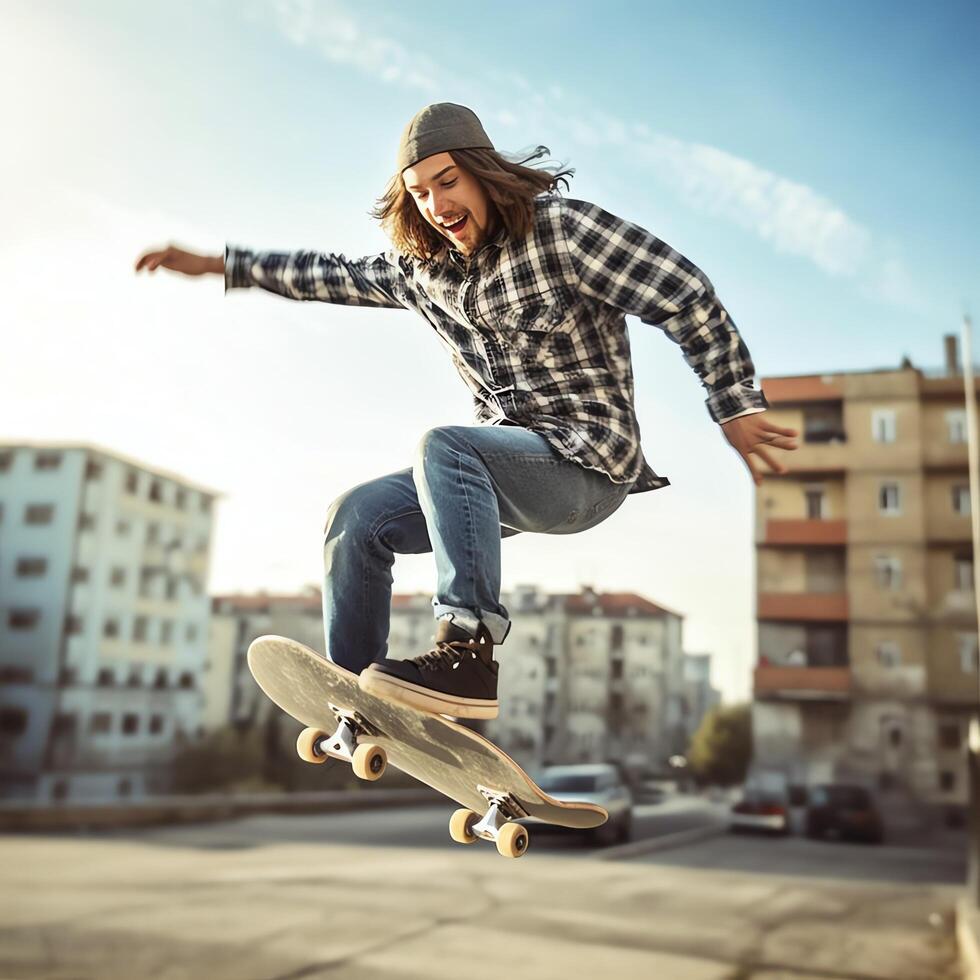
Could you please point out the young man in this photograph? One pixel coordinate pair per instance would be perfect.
(529, 292)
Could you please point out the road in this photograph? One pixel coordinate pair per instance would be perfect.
(344, 896)
(413, 827)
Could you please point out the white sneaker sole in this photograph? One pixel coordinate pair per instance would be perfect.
(390, 688)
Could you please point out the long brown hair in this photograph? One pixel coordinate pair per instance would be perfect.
(510, 185)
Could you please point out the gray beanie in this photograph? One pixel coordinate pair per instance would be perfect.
(439, 127)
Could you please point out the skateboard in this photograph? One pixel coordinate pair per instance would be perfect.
(344, 722)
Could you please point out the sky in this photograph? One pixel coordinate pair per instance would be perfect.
(818, 162)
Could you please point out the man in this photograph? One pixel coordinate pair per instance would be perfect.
(529, 292)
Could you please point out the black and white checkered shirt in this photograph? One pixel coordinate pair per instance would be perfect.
(537, 327)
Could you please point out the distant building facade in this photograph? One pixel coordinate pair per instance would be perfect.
(867, 667)
(103, 621)
(699, 696)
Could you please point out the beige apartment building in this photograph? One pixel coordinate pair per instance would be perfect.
(867, 666)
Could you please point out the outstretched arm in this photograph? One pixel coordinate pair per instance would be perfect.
(376, 280)
(624, 266)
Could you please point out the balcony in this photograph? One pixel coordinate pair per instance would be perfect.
(802, 683)
(803, 531)
(813, 607)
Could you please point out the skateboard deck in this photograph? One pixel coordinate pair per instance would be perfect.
(459, 763)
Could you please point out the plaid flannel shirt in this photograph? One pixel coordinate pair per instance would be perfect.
(537, 327)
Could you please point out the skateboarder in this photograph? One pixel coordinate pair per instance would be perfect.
(529, 292)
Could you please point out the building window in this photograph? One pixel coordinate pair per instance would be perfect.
(160, 681)
(172, 583)
(616, 669)
(13, 722)
(963, 572)
(141, 626)
(186, 680)
(814, 503)
(947, 781)
(135, 678)
(156, 493)
(16, 675)
(889, 654)
(31, 567)
(956, 426)
(883, 425)
(110, 628)
(961, 500)
(130, 724)
(889, 499)
(966, 645)
(122, 528)
(190, 634)
(39, 514)
(106, 677)
(156, 725)
(132, 482)
(949, 735)
(93, 470)
(74, 625)
(79, 575)
(6, 461)
(67, 676)
(888, 572)
(23, 619)
(118, 577)
(180, 498)
(100, 723)
(63, 725)
(125, 787)
(166, 632)
(617, 638)
(152, 533)
(47, 461)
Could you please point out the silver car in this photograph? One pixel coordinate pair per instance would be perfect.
(599, 783)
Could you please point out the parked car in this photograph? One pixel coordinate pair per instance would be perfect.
(844, 811)
(761, 810)
(594, 783)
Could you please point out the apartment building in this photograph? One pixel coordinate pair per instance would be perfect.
(231, 696)
(103, 621)
(583, 677)
(867, 649)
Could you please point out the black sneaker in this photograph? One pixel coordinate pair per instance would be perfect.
(457, 677)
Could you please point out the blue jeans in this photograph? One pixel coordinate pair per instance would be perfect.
(470, 486)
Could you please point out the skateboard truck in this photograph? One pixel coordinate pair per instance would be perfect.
(496, 825)
(349, 743)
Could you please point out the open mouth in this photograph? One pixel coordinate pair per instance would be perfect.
(455, 229)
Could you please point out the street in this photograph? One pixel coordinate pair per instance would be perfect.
(386, 894)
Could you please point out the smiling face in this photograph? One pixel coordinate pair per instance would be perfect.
(451, 200)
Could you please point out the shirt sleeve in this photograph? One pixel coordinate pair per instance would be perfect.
(624, 266)
(376, 280)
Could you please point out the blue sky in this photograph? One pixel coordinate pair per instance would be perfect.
(817, 161)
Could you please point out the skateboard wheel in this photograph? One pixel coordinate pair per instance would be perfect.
(460, 826)
(369, 762)
(512, 841)
(306, 747)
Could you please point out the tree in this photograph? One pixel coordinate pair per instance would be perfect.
(721, 748)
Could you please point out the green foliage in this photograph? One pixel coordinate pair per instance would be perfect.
(721, 748)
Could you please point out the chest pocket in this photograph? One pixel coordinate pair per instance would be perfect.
(543, 313)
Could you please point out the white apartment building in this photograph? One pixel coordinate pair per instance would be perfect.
(103, 621)
(583, 678)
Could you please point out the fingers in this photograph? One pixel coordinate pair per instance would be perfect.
(781, 429)
(150, 260)
(771, 461)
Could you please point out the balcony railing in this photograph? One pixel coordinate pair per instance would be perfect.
(803, 532)
(802, 683)
(830, 607)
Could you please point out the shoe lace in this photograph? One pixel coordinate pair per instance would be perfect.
(442, 655)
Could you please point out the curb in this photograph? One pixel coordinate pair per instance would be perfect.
(664, 843)
(967, 929)
(201, 809)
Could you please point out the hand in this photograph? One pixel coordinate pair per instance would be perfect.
(179, 260)
(755, 436)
